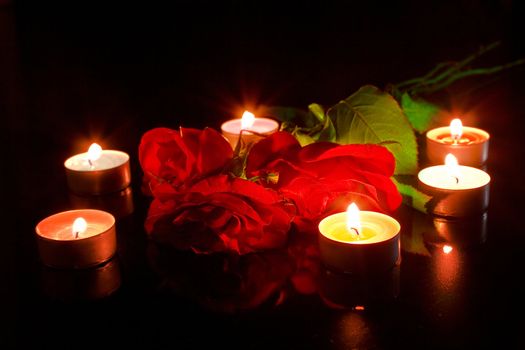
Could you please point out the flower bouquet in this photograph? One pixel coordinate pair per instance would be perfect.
(245, 220)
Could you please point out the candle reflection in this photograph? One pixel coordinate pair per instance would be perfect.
(119, 204)
(462, 233)
(447, 249)
(447, 268)
(347, 291)
(424, 231)
(355, 331)
(87, 284)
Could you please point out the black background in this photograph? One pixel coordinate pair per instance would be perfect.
(80, 71)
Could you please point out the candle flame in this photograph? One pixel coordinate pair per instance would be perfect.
(447, 249)
(452, 166)
(456, 129)
(353, 222)
(79, 226)
(247, 120)
(94, 152)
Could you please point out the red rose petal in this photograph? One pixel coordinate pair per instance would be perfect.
(277, 145)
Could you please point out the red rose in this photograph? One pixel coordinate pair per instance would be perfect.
(318, 175)
(219, 214)
(181, 158)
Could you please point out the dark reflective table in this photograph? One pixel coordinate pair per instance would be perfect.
(459, 284)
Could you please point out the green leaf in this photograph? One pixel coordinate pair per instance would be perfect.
(327, 132)
(292, 117)
(317, 111)
(413, 241)
(286, 114)
(304, 139)
(419, 112)
(412, 196)
(373, 116)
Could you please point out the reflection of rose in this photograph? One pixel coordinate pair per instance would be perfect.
(180, 158)
(219, 214)
(320, 175)
(304, 251)
(223, 282)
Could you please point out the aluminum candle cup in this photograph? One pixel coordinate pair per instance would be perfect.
(231, 129)
(76, 238)
(469, 145)
(460, 195)
(376, 249)
(98, 171)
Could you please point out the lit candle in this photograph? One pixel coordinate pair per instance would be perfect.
(98, 171)
(458, 190)
(76, 238)
(469, 145)
(253, 129)
(359, 241)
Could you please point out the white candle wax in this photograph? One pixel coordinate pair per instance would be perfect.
(463, 194)
(260, 125)
(66, 233)
(231, 129)
(108, 159)
(439, 177)
(98, 171)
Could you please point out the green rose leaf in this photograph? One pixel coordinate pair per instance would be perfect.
(318, 111)
(292, 117)
(304, 139)
(373, 116)
(419, 112)
(327, 132)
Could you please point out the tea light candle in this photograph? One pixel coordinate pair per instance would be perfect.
(98, 171)
(458, 190)
(76, 238)
(253, 129)
(469, 145)
(359, 242)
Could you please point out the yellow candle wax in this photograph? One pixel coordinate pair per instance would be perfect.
(375, 248)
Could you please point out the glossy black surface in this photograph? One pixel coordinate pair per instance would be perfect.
(71, 74)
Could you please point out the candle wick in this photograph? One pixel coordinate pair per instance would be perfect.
(76, 234)
(457, 179)
(356, 230)
(90, 163)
